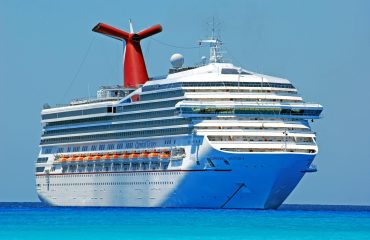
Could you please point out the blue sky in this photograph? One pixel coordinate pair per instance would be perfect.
(323, 47)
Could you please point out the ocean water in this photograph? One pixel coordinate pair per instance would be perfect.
(38, 221)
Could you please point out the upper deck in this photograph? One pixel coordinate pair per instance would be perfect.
(206, 85)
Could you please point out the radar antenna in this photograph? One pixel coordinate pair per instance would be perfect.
(215, 55)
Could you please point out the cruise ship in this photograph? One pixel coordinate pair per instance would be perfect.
(210, 136)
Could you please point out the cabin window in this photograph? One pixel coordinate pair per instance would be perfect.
(40, 169)
(42, 160)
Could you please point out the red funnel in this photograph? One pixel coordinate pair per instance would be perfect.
(134, 70)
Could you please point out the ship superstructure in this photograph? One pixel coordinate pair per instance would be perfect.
(212, 136)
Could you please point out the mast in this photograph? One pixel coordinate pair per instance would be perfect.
(215, 55)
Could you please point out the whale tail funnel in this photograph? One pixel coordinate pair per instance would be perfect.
(134, 69)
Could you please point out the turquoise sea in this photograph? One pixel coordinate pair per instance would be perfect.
(37, 221)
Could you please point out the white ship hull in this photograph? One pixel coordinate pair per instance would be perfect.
(249, 180)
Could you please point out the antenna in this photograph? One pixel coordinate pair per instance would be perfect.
(213, 27)
(215, 55)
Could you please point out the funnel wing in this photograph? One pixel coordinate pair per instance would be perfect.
(150, 31)
(111, 31)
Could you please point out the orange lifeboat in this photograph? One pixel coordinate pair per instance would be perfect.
(153, 154)
(87, 157)
(116, 156)
(72, 158)
(107, 156)
(81, 157)
(75, 158)
(143, 155)
(125, 155)
(164, 155)
(90, 157)
(133, 155)
(62, 158)
(97, 157)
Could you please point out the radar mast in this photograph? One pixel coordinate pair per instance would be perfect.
(215, 55)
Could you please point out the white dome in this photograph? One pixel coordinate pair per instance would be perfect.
(177, 60)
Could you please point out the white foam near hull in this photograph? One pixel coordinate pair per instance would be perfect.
(244, 180)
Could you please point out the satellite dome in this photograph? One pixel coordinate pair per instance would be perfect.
(177, 60)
